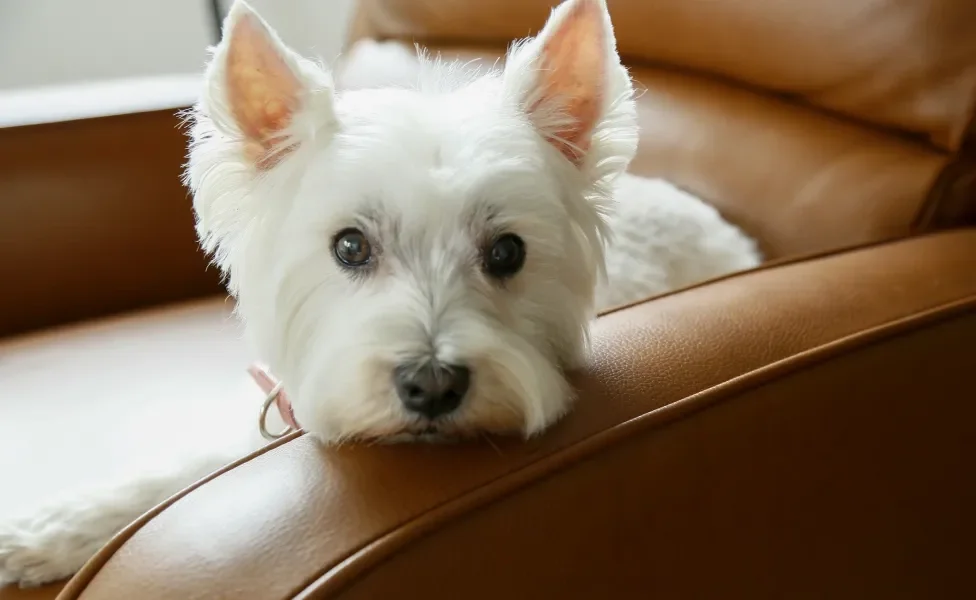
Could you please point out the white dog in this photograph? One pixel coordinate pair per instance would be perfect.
(417, 261)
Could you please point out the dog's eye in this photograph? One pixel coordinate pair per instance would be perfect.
(351, 248)
(505, 257)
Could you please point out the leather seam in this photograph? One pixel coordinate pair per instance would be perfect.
(77, 584)
(332, 580)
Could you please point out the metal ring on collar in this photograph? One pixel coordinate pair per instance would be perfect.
(263, 421)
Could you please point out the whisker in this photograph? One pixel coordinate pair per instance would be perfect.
(491, 443)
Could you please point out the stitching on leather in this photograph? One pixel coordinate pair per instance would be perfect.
(79, 583)
(333, 580)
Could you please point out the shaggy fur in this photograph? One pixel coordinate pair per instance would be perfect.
(432, 162)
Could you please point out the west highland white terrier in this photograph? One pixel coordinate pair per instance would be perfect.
(416, 261)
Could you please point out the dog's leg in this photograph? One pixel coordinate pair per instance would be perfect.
(58, 539)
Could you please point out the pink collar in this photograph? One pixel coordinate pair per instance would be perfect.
(274, 395)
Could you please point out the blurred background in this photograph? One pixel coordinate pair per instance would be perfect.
(53, 42)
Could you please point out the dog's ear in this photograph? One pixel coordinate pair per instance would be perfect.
(260, 93)
(261, 104)
(570, 83)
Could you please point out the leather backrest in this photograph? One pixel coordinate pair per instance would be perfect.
(94, 220)
(909, 65)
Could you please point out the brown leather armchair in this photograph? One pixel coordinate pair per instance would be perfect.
(804, 430)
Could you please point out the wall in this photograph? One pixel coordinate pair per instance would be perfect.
(45, 42)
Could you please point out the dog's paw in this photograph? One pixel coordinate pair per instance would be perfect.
(29, 560)
(57, 540)
(53, 544)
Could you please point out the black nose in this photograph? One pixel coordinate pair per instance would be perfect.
(433, 389)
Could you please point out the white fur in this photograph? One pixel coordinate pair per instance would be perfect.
(430, 159)
(59, 537)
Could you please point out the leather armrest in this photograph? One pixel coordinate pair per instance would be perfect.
(805, 428)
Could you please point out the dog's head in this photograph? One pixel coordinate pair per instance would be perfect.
(420, 261)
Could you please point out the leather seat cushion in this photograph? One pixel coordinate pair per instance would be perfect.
(89, 403)
(153, 383)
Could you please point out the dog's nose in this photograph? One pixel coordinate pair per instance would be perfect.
(432, 390)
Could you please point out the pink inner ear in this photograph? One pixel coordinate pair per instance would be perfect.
(262, 91)
(573, 64)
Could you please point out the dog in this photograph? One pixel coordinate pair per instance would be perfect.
(417, 260)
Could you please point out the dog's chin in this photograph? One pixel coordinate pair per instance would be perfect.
(431, 435)
(440, 431)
